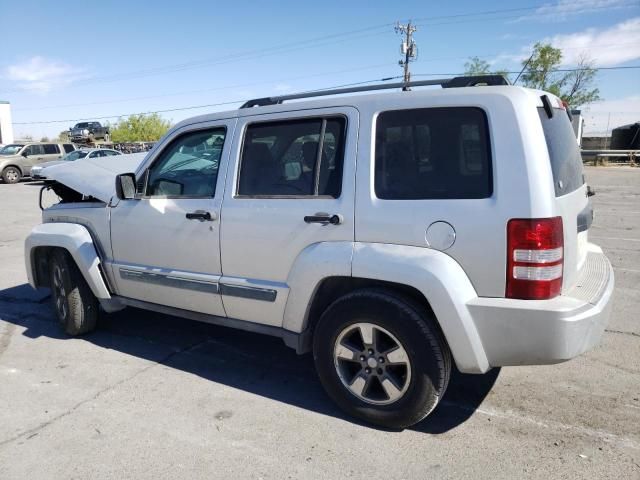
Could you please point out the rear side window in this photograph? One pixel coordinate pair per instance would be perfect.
(433, 153)
(564, 154)
(50, 148)
(293, 158)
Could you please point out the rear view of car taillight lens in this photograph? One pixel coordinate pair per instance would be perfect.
(535, 253)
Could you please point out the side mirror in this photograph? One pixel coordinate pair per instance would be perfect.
(126, 186)
(25, 154)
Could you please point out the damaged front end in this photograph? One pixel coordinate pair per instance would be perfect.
(64, 194)
(90, 180)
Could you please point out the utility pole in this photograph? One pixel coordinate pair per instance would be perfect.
(408, 48)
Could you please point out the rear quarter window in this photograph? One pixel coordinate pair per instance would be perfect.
(433, 153)
(564, 153)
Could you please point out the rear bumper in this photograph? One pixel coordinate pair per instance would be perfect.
(532, 332)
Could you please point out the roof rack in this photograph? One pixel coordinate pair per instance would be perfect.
(456, 82)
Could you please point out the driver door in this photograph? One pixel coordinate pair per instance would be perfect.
(166, 242)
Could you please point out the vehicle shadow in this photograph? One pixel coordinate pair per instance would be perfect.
(254, 363)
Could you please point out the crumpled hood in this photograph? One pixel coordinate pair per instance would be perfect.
(95, 177)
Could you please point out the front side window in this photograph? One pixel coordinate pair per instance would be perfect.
(188, 166)
(301, 157)
(51, 149)
(433, 153)
(68, 148)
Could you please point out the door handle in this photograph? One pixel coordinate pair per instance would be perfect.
(201, 216)
(324, 218)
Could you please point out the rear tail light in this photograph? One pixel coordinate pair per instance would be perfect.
(535, 253)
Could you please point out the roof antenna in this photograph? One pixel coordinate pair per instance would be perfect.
(525, 66)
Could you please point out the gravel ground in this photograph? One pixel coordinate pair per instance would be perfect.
(152, 396)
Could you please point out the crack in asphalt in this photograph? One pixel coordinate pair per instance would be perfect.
(33, 431)
(5, 338)
(620, 332)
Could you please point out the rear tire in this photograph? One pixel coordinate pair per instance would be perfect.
(75, 305)
(11, 175)
(393, 377)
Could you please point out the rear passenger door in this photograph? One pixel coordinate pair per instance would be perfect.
(291, 175)
(51, 152)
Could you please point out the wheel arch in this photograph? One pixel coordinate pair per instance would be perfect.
(15, 165)
(430, 278)
(77, 241)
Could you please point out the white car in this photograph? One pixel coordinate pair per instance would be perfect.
(37, 171)
(390, 234)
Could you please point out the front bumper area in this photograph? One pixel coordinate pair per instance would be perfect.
(538, 332)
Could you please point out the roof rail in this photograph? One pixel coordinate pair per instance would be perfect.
(456, 82)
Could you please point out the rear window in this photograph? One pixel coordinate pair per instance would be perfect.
(564, 154)
(433, 153)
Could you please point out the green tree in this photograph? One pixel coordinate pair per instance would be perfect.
(139, 128)
(63, 136)
(478, 66)
(574, 87)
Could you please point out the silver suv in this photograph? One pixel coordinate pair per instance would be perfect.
(391, 234)
(17, 159)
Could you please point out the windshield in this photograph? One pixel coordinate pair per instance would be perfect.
(81, 125)
(75, 155)
(12, 149)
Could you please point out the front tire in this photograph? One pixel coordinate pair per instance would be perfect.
(75, 305)
(381, 358)
(11, 175)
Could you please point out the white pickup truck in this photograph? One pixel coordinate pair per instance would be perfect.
(391, 234)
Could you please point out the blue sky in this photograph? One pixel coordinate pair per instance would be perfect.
(121, 57)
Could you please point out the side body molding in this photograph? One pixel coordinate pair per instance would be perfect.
(444, 284)
(77, 240)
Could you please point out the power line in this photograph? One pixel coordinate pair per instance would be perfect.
(225, 87)
(193, 107)
(147, 97)
(287, 47)
(630, 67)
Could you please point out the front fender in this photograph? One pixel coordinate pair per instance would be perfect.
(444, 284)
(77, 241)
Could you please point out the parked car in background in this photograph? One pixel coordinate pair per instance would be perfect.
(17, 159)
(85, 132)
(37, 171)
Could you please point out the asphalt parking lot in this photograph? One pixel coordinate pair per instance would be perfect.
(151, 396)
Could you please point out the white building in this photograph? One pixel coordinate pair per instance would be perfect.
(6, 128)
